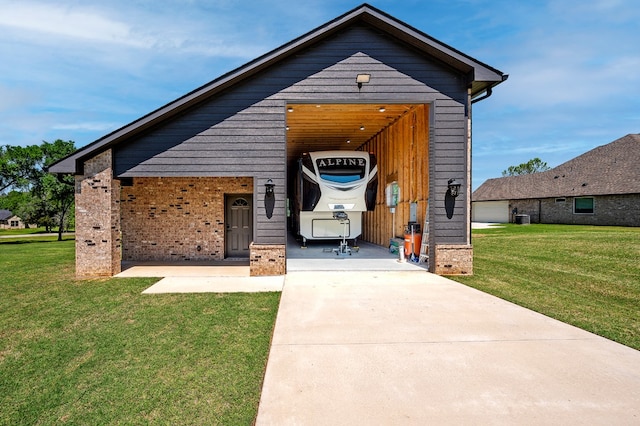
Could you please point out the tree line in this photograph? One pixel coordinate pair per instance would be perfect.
(33, 194)
(535, 165)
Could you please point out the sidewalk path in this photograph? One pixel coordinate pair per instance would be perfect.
(394, 348)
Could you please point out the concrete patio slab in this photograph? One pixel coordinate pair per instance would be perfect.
(415, 348)
(319, 256)
(216, 285)
(233, 275)
(184, 269)
(202, 277)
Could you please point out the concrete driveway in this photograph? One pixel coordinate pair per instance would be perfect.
(409, 347)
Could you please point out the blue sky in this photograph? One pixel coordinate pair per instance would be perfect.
(79, 69)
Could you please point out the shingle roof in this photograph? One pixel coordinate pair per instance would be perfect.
(609, 169)
(5, 214)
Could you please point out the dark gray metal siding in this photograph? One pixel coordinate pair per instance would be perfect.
(203, 142)
(447, 160)
(241, 132)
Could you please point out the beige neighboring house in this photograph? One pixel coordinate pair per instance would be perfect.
(599, 187)
(10, 221)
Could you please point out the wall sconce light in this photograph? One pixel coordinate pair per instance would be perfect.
(269, 197)
(269, 186)
(453, 190)
(454, 187)
(361, 79)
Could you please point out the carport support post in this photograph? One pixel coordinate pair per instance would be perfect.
(267, 259)
(98, 240)
(452, 259)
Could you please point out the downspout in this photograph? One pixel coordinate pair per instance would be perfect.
(488, 93)
(540, 210)
(60, 178)
(489, 90)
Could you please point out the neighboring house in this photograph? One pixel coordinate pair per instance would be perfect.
(10, 221)
(600, 187)
(188, 181)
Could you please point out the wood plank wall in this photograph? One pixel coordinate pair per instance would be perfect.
(402, 150)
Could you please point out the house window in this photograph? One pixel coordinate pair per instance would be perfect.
(583, 205)
(14, 223)
(240, 202)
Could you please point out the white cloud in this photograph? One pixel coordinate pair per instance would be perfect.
(108, 27)
(568, 53)
(48, 20)
(86, 126)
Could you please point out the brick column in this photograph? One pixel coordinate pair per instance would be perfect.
(267, 259)
(453, 259)
(98, 245)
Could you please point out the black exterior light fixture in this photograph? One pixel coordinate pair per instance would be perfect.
(362, 79)
(269, 197)
(454, 187)
(453, 190)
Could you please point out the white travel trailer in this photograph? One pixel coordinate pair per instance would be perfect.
(328, 185)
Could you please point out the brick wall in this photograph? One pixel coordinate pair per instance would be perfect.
(617, 210)
(453, 259)
(267, 260)
(97, 220)
(530, 207)
(612, 210)
(175, 219)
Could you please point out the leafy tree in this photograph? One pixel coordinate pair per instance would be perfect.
(51, 197)
(19, 166)
(13, 200)
(534, 165)
(56, 192)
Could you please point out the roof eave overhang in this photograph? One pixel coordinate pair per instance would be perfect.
(480, 76)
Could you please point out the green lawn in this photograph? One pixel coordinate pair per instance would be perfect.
(25, 231)
(100, 352)
(583, 275)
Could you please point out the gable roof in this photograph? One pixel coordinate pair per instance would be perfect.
(606, 170)
(5, 214)
(481, 77)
